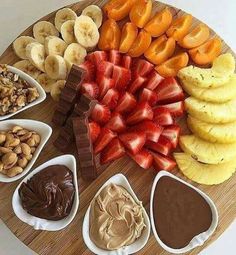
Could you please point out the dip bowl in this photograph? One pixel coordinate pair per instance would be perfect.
(121, 180)
(197, 240)
(43, 224)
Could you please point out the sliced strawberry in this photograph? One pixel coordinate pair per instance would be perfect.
(154, 79)
(172, 134)
(94, 130)
(151, 129)
(162, 116)
(134, 141)
(137, 84)
(115, 57)
(143, 158)
(141, 68)
(91, 89)
(126, 103)
(104, 68)
(147, 95)
(122, 77)
(101, 114)
(116, 123)
(169, 91)
(163, 146)
(161, 162)
(112, 151)
(104, 85)
(126, 62)
(176, 109)
(111, 98)
(142, 111)
(97, 56)
(89, 68)
(104, 138)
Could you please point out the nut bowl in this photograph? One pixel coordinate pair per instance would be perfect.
(41, 128)
(33, 83)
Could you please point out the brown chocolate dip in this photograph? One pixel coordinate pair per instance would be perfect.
(179, 212)
(49, 194)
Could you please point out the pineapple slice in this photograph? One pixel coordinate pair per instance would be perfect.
(215, 133)
(203, 173)
(215, 95)
(211, 112)
(206, 152)
(222, 68)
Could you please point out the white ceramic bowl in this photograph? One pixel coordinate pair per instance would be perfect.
(41, 128)
(197, 240)
(121, 180)
(43, 224)
(32, 82)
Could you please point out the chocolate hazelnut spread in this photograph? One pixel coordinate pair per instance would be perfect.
(49, 194)
(180, 212)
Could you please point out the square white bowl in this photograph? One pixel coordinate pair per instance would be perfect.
(43, 224)
(33, 83)
(41, 128)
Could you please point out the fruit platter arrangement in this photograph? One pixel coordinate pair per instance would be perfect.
(125, 111)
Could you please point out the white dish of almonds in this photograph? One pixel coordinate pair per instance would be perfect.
(20, 157)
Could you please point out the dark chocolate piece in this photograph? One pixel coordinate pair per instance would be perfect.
(85, 105)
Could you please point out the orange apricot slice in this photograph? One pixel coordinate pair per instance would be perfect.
(128, 36)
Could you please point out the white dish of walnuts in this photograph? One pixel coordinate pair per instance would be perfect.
(21, 142)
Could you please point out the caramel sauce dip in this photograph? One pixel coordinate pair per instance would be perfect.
(180, 213)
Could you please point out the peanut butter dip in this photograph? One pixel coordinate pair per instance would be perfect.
(116, 220)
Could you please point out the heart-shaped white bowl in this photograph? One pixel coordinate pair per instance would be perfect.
(41, 128)
(33, 83)
(197, 240)
(121, 180)
(43, 224)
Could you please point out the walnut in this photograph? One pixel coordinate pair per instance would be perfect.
(33, 95)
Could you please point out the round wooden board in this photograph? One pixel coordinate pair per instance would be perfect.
(70, 241)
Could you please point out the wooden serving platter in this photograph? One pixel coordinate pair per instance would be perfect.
(69, 240)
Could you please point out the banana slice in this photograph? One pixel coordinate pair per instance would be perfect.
(27, 67)
(55, 67)
(62, 16)
(46, 82)
(43, 29)
(57, 89)
(36, 54)
(86, 32)
(20, 44)
(75, 54)
(95, 13)
(54, 46)
(67, 31)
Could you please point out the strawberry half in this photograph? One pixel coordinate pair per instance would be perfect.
(172, 134)
(136, 84)
(141, 68)
(112, 151)
(104, 68)
(94, 130)
(143, 158)
(163, 146)
(162, 116)
(116, 123)
(126, 61)
(169, 91)
(91, 89)
(100, 114)
(153, 80)
(133, 141)
(126, 103)
(176, 109)
(104, 85)
(151, 129)
(161, 162)
(103, 140)
(97, 56)
(89, 68)
(111, 98)
(115, 57)
(142, 111)
(149, 96)
(122, 77)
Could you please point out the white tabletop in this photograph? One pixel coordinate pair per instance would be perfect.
(17, 15)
